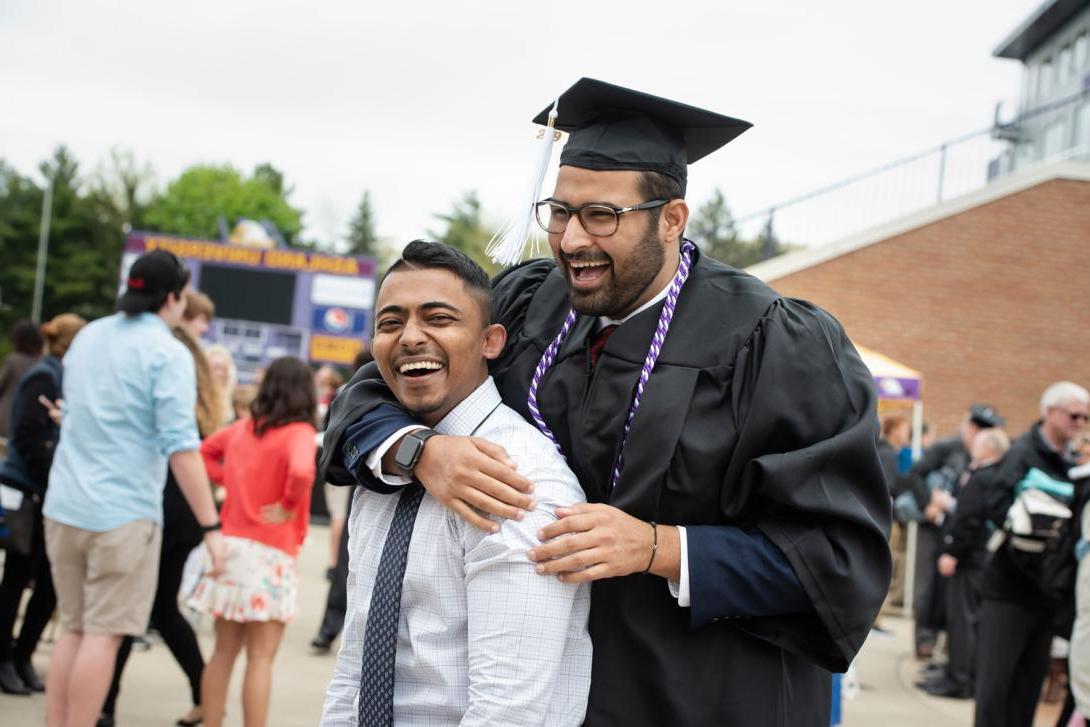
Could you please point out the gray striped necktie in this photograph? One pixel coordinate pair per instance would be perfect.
(376, 707)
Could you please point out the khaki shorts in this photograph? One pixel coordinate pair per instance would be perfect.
(106, 581)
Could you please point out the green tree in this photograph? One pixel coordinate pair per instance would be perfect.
(362, 239)
(84, 243)
(273, 177)
(193, 203)
(465, 230)
(126, 185)
(21, 202)
(714, 230)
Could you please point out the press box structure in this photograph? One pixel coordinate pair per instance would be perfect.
(274, 302)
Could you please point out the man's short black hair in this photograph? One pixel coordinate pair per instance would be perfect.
(654, 185)
(26, 338)
(425, 254)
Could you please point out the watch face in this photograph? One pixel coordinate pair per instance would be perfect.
(408, 452)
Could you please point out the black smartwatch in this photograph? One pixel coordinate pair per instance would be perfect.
(410, 449)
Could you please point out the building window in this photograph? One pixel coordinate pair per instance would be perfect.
(1082, 126)
(1030, 95)
(1044, 82)
(1026, 154)
(1064, 70)
(1081, 56)
(1055, 138)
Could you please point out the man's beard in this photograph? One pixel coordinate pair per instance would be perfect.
(617, 297)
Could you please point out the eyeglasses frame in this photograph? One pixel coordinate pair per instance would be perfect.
(578, 212)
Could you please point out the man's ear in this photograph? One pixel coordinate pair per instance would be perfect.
(674, 218)
(495, 338)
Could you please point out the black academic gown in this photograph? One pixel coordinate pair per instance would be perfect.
(759, 414)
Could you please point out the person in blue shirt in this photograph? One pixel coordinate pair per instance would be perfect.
(129, 397)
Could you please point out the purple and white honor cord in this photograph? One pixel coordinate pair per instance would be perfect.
(653, 352)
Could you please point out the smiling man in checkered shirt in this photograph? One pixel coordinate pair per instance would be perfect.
(481, 639)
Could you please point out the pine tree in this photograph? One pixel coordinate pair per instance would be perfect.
(362, 239)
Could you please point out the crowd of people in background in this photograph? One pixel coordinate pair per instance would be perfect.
(998, 520)
(147, 393)
(998, 538)
(32, 437)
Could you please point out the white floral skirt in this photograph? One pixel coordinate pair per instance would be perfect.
(258, 583)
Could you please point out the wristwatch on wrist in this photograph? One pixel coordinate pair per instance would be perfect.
(410, 449)
(211, 528)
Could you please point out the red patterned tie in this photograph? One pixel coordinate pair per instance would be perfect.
(599, 342)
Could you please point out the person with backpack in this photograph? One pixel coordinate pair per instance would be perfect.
(1020, 598)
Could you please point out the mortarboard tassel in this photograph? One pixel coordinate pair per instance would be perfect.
(509, 244)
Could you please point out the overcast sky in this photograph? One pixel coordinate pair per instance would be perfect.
(421, 101)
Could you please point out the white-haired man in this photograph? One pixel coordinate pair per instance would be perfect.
(1016, 619)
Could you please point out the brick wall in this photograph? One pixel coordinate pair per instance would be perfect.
(992, 304)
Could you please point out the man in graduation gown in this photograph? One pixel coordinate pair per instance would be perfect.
(738, 547)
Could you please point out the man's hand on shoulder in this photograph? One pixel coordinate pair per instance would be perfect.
(467, 475)
(602, 541)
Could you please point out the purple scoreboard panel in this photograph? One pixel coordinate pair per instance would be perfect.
(278, 302)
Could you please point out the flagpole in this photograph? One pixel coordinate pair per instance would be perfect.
(43, 251)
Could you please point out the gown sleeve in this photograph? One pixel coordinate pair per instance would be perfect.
(512, 291)
(361, 396)
(807, 471)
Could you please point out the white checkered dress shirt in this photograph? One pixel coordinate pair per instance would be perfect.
(482, 638)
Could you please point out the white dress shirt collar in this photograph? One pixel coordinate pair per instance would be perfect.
(467, 416)
(604, 321)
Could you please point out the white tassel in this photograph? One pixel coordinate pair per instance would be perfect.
(508, 246)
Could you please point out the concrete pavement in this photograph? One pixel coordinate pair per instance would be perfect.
(154, 692)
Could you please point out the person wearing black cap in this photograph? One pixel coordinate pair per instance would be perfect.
(724, 435)
(931, 480)
(961, 563)
(129, 397)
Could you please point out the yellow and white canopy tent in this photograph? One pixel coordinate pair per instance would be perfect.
(899, 387)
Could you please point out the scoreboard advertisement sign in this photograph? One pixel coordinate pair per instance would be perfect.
(274, 302)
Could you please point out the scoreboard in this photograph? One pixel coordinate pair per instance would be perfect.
(274, 302)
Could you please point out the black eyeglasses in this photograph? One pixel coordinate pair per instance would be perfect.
(1078, 416)
(597, 218)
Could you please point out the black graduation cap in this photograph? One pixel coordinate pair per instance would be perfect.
(615, 128)
(612, 127)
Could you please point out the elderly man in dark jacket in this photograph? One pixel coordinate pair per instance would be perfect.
(1016, 617)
